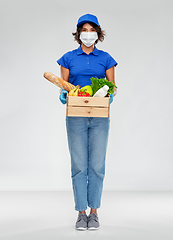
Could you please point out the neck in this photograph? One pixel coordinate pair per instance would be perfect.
(87, 50)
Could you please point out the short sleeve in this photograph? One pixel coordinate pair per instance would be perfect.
(64, 60)
(110, 62)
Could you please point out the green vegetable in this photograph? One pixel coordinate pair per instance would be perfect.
(99, 83)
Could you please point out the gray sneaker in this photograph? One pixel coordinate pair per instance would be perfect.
(93, 222)
(81, 223)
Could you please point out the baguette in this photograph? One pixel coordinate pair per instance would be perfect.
(58, 81)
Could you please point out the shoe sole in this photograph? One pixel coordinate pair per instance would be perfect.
(93, 228)
(81, 229)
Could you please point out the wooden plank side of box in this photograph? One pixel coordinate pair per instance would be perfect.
(89, 101)
(87, 112)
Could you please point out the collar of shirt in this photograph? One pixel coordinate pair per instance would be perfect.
(80, 51)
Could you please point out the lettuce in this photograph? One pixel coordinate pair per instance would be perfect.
(99, 83)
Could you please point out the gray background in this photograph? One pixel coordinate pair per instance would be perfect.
(33, 35)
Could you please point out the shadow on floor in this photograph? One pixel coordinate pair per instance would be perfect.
(105, 232)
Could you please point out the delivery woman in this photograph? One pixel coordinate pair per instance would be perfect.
(87, 136)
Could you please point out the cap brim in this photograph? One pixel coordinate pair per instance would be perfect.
(86, 22)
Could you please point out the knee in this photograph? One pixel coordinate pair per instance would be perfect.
(99, 170)
(78, 171)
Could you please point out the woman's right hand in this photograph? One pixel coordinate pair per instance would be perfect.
(63, 93)
(63, 96)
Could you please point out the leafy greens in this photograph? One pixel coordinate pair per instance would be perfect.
(99, 83)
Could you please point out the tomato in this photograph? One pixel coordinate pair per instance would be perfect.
(83, 94)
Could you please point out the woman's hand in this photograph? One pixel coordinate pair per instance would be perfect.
(115, 91)
(63, 96)
(63, 93)
(110, 75)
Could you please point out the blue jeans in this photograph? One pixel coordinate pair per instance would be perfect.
(87, 140)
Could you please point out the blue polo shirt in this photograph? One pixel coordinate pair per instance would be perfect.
(82, 67)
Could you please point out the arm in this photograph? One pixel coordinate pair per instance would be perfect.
(110, 75)
(65, 73)
(64, 76)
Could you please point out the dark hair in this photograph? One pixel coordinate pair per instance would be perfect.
(100, 32)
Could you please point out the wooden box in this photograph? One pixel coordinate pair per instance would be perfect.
(88, 106)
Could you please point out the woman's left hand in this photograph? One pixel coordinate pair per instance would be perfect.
(115, 91)
(113, 95)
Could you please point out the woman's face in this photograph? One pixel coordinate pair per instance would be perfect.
(88, 28)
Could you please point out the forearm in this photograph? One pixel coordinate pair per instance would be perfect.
(110, 75)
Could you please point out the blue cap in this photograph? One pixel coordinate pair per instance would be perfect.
(87, 18)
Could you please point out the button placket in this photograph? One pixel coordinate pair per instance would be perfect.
(88, 62)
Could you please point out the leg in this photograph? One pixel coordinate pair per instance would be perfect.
(93, 211)
(98, 138)
(77, 133)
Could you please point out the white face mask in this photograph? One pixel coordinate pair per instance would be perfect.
(88, 38)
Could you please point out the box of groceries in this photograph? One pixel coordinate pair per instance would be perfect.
(88, 106)
(90, 100)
